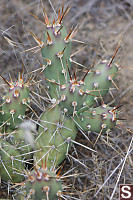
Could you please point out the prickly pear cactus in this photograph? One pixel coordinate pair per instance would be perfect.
(72, 96)
(54, 130)
(75, 97)
(15, 103)
(73, 106)
(99, 80)
(43, 184)
(56, 52)
(97, 119)
(11, 168)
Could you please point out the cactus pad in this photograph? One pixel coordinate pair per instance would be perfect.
(98, 119)
(54, 130)
(43, 184)
(10, 168)
(15, 103)
(99, 80)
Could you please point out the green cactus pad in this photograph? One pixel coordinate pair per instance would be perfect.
(97, 119)
(10, 169)
(72, 96)
(54, 130)
(56, 53)
(43, 184)
(15, 103)
(99, 80)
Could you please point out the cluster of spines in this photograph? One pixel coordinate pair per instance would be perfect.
(43, 183)
(72, 96)
(15, 102)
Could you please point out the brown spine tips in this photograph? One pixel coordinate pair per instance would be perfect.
(16, 93)
(39, 175)
(114, 117)
(24, 101)
(47, 22)
(49, 40)
(36, 39)
(64, 13)
(58, 17)
(57, 31)
(68, 36)
(8, 83)
(114, 114)
(86, 74)
(48, 61)
(54, 23)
